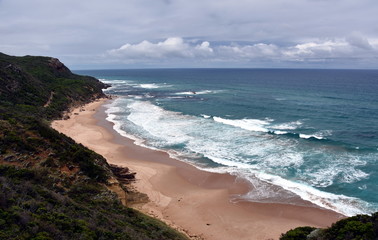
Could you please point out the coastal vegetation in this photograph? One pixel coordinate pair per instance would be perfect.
(50, 186)
(360, 227)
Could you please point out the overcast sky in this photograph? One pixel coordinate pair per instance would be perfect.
(90, 34)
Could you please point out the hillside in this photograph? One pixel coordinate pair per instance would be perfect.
(44, 85)
(51, 187)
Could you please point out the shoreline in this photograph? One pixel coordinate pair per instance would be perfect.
(183, 196)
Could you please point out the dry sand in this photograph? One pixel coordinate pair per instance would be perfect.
(192, 200)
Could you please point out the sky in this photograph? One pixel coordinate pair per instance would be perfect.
(94, 34)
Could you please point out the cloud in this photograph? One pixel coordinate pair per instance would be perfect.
(320, 49)
(359, 41)
(174, 47)
(178, 49)
(259, 50)
(346, 48)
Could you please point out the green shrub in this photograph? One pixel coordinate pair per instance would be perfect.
(358, 227)
(18, 174)
(299, 233)
(86, 160)
(42, 236)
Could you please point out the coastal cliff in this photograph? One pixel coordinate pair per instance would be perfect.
(45, 85)
(52, 187)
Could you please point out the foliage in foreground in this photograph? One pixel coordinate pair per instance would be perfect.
(360, 227)
(33, 207)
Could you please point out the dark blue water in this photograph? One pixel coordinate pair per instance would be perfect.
(312, 133)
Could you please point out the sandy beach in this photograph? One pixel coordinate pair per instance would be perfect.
(192, 200)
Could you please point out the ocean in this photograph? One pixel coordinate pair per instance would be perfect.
(291, 133)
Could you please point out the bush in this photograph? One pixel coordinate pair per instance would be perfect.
(86, 160)
(358, 227)
(299, 233)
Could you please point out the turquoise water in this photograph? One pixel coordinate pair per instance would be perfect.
(306, 133)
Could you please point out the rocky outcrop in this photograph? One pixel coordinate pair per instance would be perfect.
(123, 174)
(58, 65)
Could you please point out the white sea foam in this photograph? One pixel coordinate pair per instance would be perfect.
(280, 132)
(342, 168)
(149, 85)
(348, 206)
(287, 126)
(152, 85)
(239, 147)
(115, 81)
(113, 112)
(205, 116)
(256, 125)
(363, 187)
(199, 92)
(307, 136)
(264, 190)
(205, 92)
(229, 163)
(318, 135)
(267, 125)
(353, 175)
(185, 93)
(287, 159)
(160, 124)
